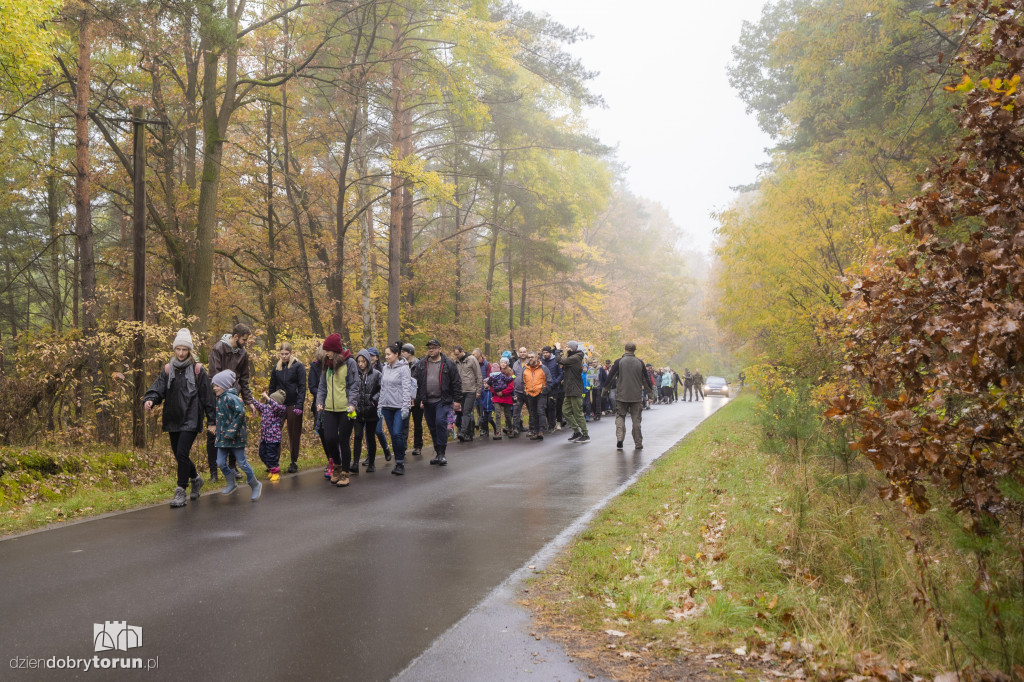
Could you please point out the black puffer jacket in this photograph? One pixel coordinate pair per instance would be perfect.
(183, 411)
(364, 391)
(291, 380)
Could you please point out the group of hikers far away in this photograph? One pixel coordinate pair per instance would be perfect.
(373, 398)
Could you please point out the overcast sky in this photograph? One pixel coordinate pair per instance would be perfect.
(678, 125)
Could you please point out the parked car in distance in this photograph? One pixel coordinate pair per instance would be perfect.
(716, 386)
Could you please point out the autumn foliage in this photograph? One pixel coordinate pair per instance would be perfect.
(936, 333)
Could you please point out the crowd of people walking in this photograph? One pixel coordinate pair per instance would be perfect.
(366, 399)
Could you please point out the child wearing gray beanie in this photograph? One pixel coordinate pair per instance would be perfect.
(232, 433)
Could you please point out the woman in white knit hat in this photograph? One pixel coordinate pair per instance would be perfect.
(183, 386)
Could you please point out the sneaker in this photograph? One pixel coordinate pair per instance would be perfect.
(496, 436)
(370, 469)
(197, 485)
(365, 462)
(434, 461)
(179, 498)
(441, 461)
(558, 427)
(354, 471)
(416, 452)
(575, 437)
(618, 445)
(583, 439)
(387, 455)
(399, 469)
(275, 477)
(293, 468)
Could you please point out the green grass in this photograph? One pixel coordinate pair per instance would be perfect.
(51, 484)
(725, 545)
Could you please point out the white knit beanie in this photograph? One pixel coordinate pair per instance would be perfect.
(184, 338)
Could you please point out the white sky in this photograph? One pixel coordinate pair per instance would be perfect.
(679, 127)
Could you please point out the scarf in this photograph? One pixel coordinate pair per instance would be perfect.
(190, 376)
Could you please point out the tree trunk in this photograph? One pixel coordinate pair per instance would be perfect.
(511, 307)
(56, 307)
(83, 225)
(395, 233)
(271, 236)
(290, 191)
(366, 225)
(493, 254)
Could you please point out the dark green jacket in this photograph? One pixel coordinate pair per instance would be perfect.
(572, 376)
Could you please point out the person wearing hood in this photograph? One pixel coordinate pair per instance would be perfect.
(572, 363)
(397, 391)
(232, 433)
(230, 353)
(381, 438)
(365, 385)
(332, 402)
(183, 386)
(289, 375)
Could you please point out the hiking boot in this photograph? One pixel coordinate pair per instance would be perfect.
(293, 468)
(536, 436)
(434, 460)
(339, 477)
(196, 485)
(399, 469)
(575, 436)
(231, 481)
(257, 488)
(618, 445)
(583, 439)
(370, 469)
(179, 498)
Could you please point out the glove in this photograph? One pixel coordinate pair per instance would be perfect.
(405, 413)
(351, 412)
(297, 411)
(380, 413)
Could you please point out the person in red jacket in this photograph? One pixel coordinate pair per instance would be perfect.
(503, 387)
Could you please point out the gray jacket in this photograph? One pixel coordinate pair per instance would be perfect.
(397, 388)
(469, 373)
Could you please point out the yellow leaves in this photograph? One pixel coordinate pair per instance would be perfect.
(27, 46)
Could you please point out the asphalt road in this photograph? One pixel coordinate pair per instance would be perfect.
(311, 582)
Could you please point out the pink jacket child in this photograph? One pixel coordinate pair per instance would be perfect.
(272, 413)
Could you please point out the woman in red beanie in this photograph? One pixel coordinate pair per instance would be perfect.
(332, 401)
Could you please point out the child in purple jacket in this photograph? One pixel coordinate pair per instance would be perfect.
(273, 414)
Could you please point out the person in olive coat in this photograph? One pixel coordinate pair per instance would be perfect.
(183, 387)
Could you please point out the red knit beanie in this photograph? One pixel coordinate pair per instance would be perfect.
(333, 343)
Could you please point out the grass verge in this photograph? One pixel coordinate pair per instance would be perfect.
(780, 563)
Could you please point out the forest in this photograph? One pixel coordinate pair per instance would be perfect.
(375, 168)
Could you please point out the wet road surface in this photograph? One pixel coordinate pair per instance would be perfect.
(311, 582)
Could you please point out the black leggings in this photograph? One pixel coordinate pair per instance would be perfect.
(337, 432)
(368, 428)
(181, 446)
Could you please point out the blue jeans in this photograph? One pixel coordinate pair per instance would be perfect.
(397, 427)
(436, 415)
(243, 464)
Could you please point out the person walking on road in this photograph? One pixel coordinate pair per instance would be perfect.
(632, 379)
(397, 392)
(535, 381)
(183, 386)
(381, 438)
(289, 375)
(502, 385)
(517, 408)
(230, 353)
(554, 388)
(687, 385)
(698, 384)
(469, 375)
(313, 379)
(232, 433)
(409, 353)
(271, 421)
(365, 393)
(438, 390)
(572, 365)
(332, 401)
